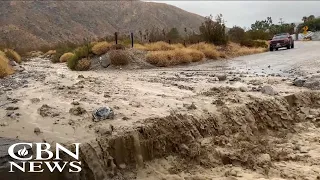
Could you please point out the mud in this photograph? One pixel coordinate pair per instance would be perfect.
(175, 123)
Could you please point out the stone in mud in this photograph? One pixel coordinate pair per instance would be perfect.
(34, 100)
(75, 103)
(37, 131)
(192, 106)
(264, 159)
(299, 82)
(11, 108)
(222, 77)
(46, 111)
(77, 111)
(103, 113)
(80, 76)
(268, 90)
(243, 89)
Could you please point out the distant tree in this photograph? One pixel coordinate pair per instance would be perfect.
(262, 25)
(214, 31)
(311, 17)
(304, 18)
(173, 34)
(236, 34)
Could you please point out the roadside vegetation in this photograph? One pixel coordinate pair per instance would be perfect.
(167, 47)
(5, 67)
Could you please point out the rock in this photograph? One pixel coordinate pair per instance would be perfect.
(34, 100)
(46, 111)
(37, 131)
(314, 112)
(103, 113)
(235, 79)
(13, 63)
(104, 131)
(106, 95)
(264, 159)
(4, 124)
(9, 113)
(10, 108)
(303, 149)
(80, 76)
(192, 106)
(75, 103)
(135, 104)
(122, 166)
(222, 77)
(243, 89)
(125, 118)
(268, 90)
(77, 111)
(299, 82)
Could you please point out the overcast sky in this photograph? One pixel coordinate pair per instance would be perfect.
(244, 13)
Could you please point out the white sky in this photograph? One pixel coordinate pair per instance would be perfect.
(245, 13)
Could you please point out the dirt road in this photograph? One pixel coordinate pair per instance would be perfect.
(47, 102)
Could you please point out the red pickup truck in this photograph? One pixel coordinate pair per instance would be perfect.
(280, 41)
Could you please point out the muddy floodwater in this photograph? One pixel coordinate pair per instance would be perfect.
(247, 118)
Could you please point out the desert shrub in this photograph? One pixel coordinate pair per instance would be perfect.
(236, 34)
(214, 31)
(50, 52)
(254, 43)
(66, 56)
(34, 54)
(159, 46)
(83, 51)
(5, 68)
(174, 57)
(13, 55)
(83, 65)
(117, 47)
(73, 61)
(140, 47)
(234, 50)
(209, 50)
(119, 57)
(101, 48)
(195, 54)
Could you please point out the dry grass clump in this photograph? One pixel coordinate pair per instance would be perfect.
(235, 50)
(159, 46)
(101, 48)
(34, 54)
(140, 47)
(117, 47)
(50, 53)
(209, 50)
(119, 57)
(5, 68)
(174, 57)
(13, 55)
(83, 65)
(66, 56)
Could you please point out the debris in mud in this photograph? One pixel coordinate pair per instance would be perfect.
(135, 104)
(103, 113)
(191, 106)
(75, 103)
(222, 77)
(80, 76)
(11, 108)
(299, 82)
(77, 111)
(37, 131)
(268, 90)
(46, 111)
(218, 102)
(35, 100)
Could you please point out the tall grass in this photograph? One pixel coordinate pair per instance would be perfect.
(101, 48)
(209, 50)
(5, 68)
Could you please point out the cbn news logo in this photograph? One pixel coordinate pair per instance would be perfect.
(51, 161)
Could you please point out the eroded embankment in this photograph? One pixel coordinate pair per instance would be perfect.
(240, 135)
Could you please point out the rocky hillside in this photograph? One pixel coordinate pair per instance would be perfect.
(37, 23)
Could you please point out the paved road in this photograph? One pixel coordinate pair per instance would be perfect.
(304, 58)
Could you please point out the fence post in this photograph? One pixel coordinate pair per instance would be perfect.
(116, 37)
(169, 41)
(132, 39)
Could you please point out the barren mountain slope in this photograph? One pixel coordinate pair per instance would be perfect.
(35, 23)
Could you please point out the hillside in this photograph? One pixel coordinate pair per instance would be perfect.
(36, 23)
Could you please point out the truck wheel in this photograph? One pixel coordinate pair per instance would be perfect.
(292, 45)
(271, 48)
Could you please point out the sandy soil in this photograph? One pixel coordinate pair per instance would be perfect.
(35, 106)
